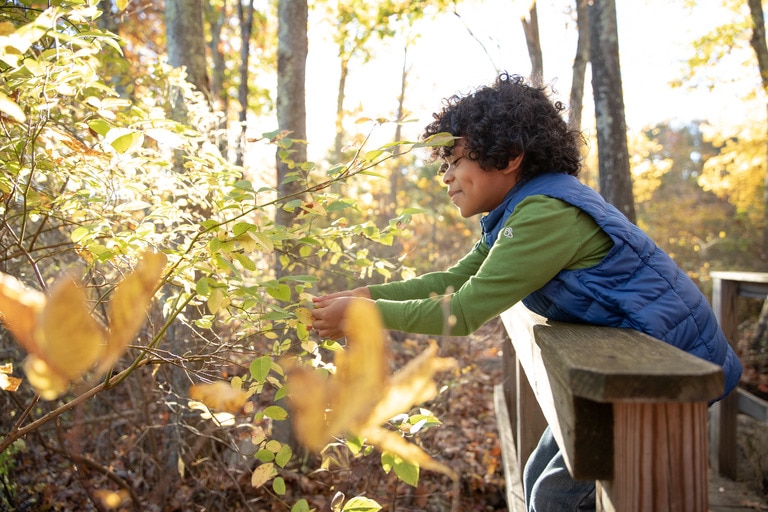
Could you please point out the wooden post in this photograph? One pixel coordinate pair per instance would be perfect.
(660, 453)
(724, 295)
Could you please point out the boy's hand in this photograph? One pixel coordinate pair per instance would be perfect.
(329, 311)
(361, 292)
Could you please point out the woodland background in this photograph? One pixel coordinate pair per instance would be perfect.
(182, 127)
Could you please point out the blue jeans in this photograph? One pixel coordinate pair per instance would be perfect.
(548, 485)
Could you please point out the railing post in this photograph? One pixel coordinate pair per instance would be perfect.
(660, 453)
(724, 453)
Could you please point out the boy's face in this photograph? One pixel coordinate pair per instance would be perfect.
(474, 190)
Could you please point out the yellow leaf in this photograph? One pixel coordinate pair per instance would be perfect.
(11, 109)
(327, 407)
(6, 28)
(263, 474)
(361, 396)
(411, 386)
(68, 340)
(19, 307)
(129, 303)
(304, 315)
(219, 396)
(112, 499)
(7, 382)
(63, 339)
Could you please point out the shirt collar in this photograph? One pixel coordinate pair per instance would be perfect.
(490, 222)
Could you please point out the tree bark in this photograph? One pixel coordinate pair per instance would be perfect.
(338, 141)
(245, 14)
(579, 66)
(532, 39)
(758, 43)
(218, 96)
(186, 40)
(615, 178)
(292, 47)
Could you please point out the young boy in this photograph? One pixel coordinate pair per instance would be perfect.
(547, 240)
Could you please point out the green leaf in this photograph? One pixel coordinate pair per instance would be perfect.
(245, 261)
(99, 126)
(300, 506)
(278, 485)
(283, 455)
(354, 443)
(276, 413)
(241, 227)
(123, 139)
(79, 233)
(260, 368)
(406, 471)
(360, 504)
(280, 292)
(265, 455)
(202, 287)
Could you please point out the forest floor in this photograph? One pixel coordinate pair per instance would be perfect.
(43, 478)
(46, 479)
(467, 441)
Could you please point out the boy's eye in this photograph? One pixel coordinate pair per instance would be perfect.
(445, 166)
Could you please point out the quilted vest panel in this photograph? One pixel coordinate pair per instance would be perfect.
(636, 285)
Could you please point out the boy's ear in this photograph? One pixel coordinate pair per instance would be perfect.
(514, 164)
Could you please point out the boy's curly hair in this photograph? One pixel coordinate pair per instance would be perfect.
(501, 121)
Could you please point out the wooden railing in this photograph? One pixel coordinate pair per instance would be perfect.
(727, 287)
(628, 411)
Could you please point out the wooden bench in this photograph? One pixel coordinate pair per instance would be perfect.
(627, 410)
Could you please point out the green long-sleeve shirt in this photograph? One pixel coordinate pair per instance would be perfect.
(541, 237)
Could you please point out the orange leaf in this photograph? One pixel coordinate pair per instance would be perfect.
(61, 336)
(129, 303)
(7, 382)
(361, 395)
(219, 396)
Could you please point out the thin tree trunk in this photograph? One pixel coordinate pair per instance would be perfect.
(396, 178)
(245, 13)
(339, 140)
(614, 172)
(532, 39)
(758, 42)
(186, 41)
(219, 98)
(580, 62)
(292, 47)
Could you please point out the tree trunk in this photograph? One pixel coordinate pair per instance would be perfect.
(579, 66)
(186, 40)
(218, 95)
(758, 43)
(292, 49)
(245, 13)
(532, 39)
(396, 178)
(339, 139)
(614, 172)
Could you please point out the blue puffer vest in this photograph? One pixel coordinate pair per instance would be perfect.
(636, 285)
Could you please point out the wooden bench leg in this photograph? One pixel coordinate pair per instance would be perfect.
(660, 459)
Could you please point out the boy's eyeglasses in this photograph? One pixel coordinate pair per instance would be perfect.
(445, 166)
